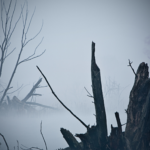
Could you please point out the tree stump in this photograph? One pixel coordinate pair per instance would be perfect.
(137, 132)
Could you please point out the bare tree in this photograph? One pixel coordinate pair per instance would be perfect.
(8, 29)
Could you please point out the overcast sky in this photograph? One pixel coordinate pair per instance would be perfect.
(120, 29)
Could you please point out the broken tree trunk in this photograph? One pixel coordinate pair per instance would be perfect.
(70, 139)
(137, 132)
(138, 112)
(98, 101)
(96, 136)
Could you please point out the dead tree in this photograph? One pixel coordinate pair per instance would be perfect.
(24, 105)
(7, 30)
(138, 112)
(137, 133)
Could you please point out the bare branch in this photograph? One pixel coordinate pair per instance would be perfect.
(4, 8)
(9, 7)
(30, 22)
(43, 136)
(2, 17)
(31, 56)
(35, 49)
(5, 89)
(6, 30)
(42, 86)
(6, 48)
(5, 141)
(16, 90)
(25, 21)
(35, 35)
(22, 16)
(5, 44)
(12, 17)
(88, 93)
(131, 67)
(32, 90)
(15, 23)
(8, 54)
(61, 101)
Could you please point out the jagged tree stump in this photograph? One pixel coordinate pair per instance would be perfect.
(137, 132)
(138, 113)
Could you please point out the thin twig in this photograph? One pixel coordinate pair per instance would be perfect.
(43, 136)
(132, 67)
(26, 148)
(88, 93)
(60, 100)
(42, 86)
(16, 90)
(25, 60)
(31, 148)
(4, 90)
(23, 43)
(5, 141)
(34, 36)
(8, 54)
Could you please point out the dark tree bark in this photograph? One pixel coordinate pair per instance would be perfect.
(96, 136)
(138, 112)
(70, 139)
(98, 101)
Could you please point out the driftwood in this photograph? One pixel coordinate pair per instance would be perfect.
(137, 133)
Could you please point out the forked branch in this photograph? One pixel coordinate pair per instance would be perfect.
(8, 30)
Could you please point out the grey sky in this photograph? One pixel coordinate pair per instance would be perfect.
(119, 29)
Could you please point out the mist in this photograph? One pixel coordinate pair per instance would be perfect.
(120, 30)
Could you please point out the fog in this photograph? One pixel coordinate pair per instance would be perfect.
(26, 129)
(120, 30)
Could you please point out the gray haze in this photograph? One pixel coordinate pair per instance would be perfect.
(121, 31)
